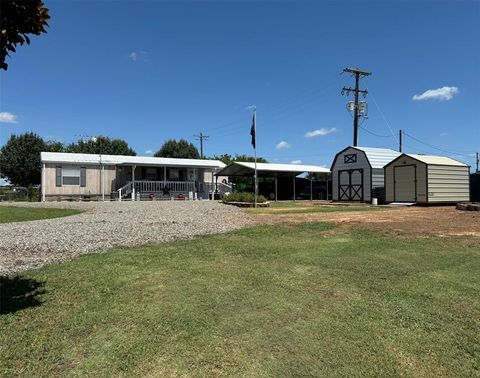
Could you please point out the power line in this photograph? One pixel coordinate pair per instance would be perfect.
(383, 116)
(375, 134)
(434, 147)
(293, 101)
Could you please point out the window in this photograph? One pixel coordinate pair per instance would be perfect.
(173, 174)
(151, 173)
(70, 175)
(350, 158)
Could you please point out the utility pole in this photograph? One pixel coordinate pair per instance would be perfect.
(400, 140)
(201, 138)
(478, 159)
(358, 74)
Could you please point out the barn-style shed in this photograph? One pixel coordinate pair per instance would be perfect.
(358, 171)
(426, 179)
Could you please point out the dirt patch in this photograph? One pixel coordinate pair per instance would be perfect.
(416, 221)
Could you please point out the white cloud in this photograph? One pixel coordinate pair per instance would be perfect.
(444, 134)
(149, 152)
(320, 132)
(296, 162)
(283, 145)
(442, 94)
(7, 117)
(138, 56)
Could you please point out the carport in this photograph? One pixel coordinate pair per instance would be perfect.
(271, 170)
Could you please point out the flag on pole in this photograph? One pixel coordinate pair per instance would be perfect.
(252, 132)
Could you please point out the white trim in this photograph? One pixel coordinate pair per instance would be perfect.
(66, 158)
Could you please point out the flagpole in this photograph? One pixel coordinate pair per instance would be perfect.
(255, 154)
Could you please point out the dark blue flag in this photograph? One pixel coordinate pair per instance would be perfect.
(252, 132)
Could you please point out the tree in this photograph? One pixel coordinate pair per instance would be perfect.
(54, 146)
(101, 145)
(20, 159)
(178, 149)
(17, 19)
(227, 158)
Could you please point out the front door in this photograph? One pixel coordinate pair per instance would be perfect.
(350, 185)
(405, 181)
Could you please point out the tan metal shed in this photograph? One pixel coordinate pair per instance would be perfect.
(426, 179)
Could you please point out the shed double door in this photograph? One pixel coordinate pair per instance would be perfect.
(350, 185)
(405, 183)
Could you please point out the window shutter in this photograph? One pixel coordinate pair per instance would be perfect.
(83, 176)
(58, 176)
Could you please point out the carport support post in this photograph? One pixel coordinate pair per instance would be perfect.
(294, 186)
(276, 192)
(311, 189)
(328, 180)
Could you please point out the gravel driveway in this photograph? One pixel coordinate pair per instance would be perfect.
(103, 225)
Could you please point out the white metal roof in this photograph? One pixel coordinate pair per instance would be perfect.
(69, 158)
(437, 160)
(379, 157)
(241, 168)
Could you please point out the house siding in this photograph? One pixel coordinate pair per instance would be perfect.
(92, 186)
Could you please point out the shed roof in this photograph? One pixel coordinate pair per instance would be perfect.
(437, 160)
(379, 157)
(70, 158)
(240, 168)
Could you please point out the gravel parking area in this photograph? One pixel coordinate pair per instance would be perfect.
(103, 225)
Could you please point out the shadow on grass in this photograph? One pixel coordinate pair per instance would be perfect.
(17, 293)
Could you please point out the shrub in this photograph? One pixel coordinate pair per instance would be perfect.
(242, 197)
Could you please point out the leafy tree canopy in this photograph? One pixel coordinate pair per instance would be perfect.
(178, 149)
(20, 159)
(101, 145)
(227, 158)
(17, 19)
(54, 146)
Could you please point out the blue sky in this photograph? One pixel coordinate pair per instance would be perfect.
(147, 71)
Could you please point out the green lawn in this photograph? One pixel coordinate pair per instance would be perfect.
(295, 300)
(20, 214)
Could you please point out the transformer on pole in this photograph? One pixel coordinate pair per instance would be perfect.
(359, 108)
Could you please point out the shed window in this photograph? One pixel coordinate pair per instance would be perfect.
(71, 175)
(350, 158)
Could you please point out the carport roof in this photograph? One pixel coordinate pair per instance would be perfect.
(240, 168)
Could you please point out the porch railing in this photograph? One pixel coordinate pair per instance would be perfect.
(155, 187)
(158, 186)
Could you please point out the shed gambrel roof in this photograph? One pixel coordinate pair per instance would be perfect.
(378, 157)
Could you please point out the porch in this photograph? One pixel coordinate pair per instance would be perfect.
(166, 183)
